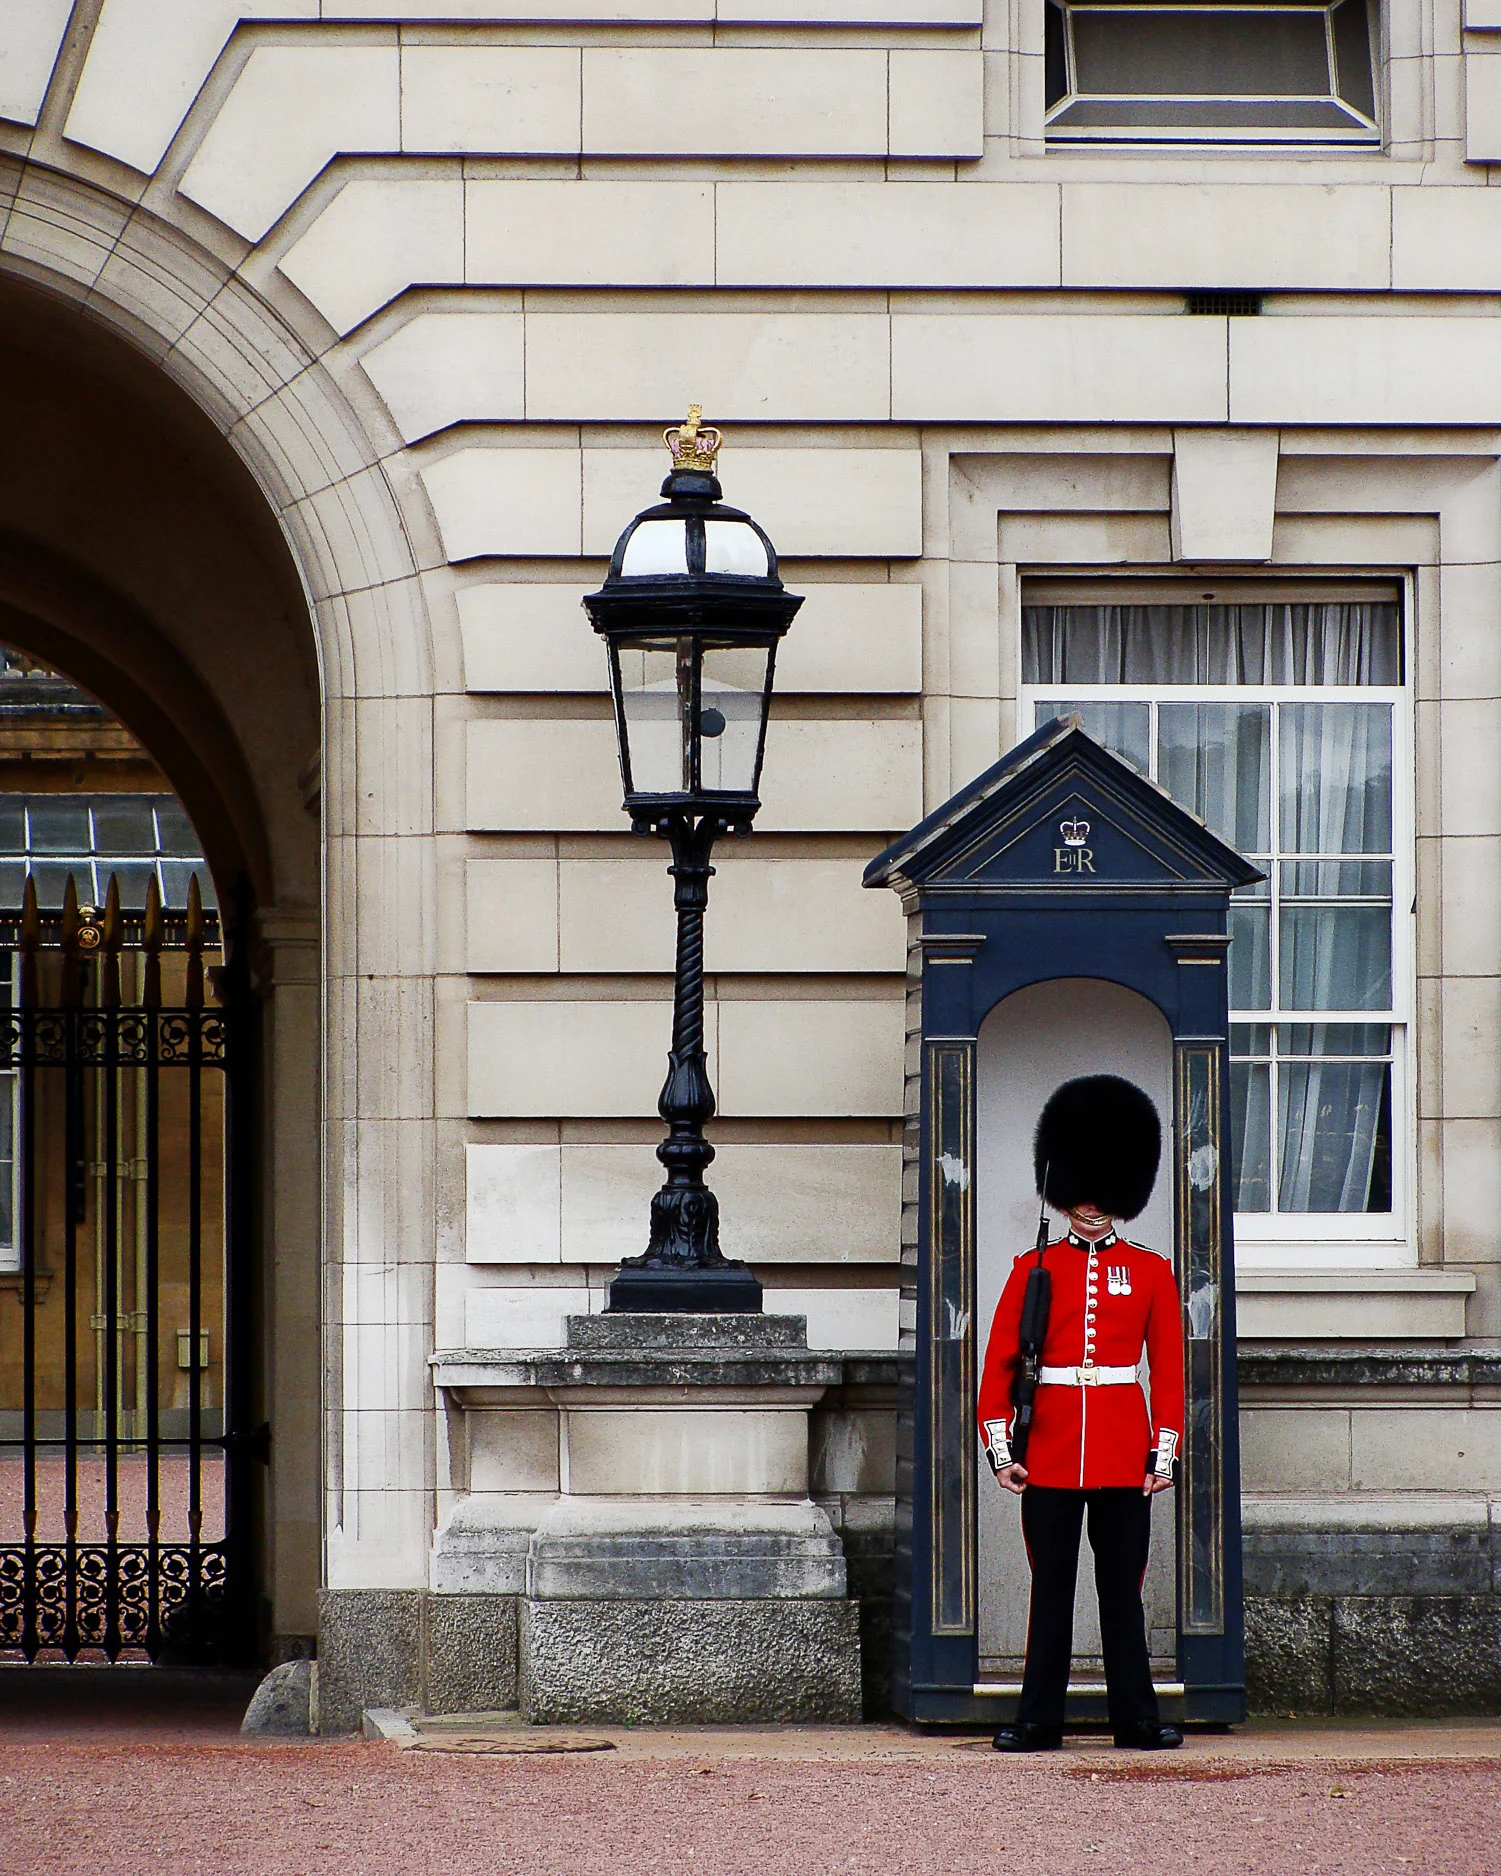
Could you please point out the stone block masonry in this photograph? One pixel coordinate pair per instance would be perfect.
(710, 1662)
(411, 1648)
(1393, 1655)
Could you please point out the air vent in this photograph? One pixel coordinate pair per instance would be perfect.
(1226, 304)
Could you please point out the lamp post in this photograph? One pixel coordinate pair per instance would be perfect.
(691, 612)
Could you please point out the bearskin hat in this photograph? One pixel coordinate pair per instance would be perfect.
(1098, 1142)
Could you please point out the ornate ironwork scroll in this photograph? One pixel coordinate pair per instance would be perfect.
(167, 1599)
(951, 1333)
(1198, 1165)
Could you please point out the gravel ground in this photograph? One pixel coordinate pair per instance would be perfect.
(172, 1497)
(756, 1804)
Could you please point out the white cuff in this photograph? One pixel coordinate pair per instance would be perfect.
(1167, 1452)
(996, 1443)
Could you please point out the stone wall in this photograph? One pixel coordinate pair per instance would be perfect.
(1386, 1615)
(1373, 1577)
(409, 1648)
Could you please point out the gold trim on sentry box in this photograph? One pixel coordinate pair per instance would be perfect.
(1010, 1688)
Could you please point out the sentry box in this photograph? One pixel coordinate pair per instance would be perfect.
(1066, 917)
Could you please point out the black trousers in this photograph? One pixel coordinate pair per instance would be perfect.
(1120, 1529)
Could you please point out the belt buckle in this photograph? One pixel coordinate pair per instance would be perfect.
(1089, 1375)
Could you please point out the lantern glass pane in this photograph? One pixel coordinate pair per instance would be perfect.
(733, 699)
(655, 547)
(734, 547)
(654, 686)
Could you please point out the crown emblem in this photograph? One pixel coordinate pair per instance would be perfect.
(1074, 833)
(694, 444)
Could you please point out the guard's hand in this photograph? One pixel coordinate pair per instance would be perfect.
(1154, 1484)
(1013, 1477)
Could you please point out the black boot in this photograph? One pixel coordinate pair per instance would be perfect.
(1148, 1736)
(1028, 1738)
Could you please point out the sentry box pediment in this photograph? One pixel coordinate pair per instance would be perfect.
(1065, 917)
(1058, 813)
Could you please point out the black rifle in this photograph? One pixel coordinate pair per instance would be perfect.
(1036, 1303)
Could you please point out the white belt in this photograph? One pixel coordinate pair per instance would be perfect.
(1086, 1376)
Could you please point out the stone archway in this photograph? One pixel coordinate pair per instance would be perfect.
(196, 525)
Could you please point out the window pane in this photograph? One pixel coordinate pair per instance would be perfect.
(1251, 1136)
(1352, 54)
(130, 876)
(1336, 780)
(1336, 957)
(1301, 117)
(1216, 760)
(1337, 879)
(174, 829)
(1124, 727)
(649, 682)
(1055, 59)
(1251, 952)
(51, 877)
(1334, 1136)
(124, 824)
(1200, 51)
(12, 824)
(59, 824)
(732, 684)
(175, 877)
(1328, 1039)
(1338, 642)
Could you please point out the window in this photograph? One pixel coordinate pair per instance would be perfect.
(1280, 721)
(1205, 72)
(92, 837)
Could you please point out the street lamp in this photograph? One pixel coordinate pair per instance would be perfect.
(691, 612)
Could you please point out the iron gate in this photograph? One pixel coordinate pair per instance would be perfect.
(124, 1386)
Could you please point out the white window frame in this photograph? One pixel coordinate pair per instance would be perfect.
(1303, 1240)
(1362, 133)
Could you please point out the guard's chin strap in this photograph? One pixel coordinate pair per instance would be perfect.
(1102, 1243)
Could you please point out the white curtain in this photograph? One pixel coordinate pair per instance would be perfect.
(1336, 777)
(1215, 758)
(1336, 798)
(1329, 1122)
(1251, 1135)
(1335, 643)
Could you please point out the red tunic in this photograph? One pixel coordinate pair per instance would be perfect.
(1109, 1300)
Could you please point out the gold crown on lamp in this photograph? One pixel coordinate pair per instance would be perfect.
(694, 444)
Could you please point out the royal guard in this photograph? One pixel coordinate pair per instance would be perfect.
(1062, 1412)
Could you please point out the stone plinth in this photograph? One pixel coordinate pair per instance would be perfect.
(658, 1527)
(619, 1549)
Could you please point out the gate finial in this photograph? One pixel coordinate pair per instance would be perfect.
(151, 945)
(31, 944)
(193, 994)
(109, 988)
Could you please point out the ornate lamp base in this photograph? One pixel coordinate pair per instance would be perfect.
(716, 1290)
